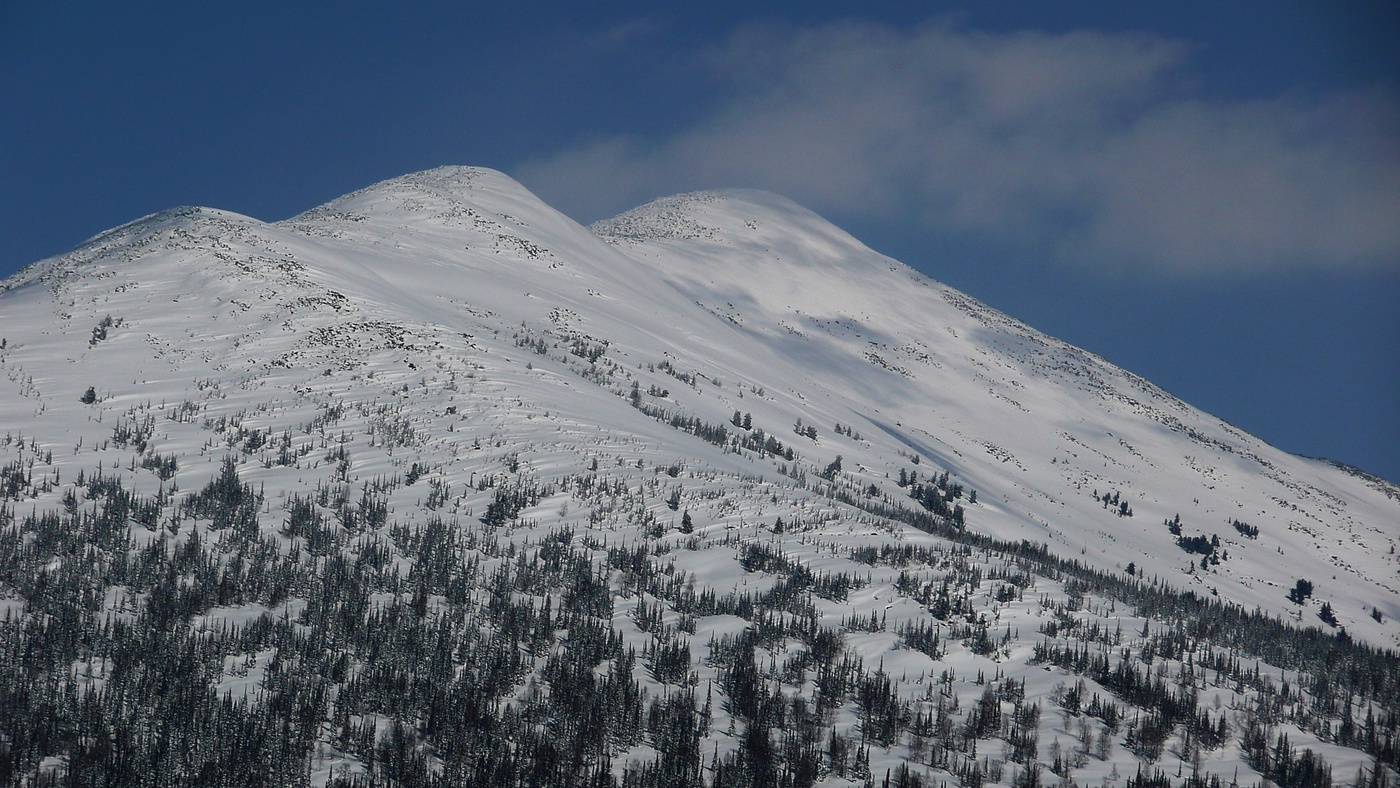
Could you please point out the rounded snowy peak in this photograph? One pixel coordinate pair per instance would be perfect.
(734, 216)
(446, 194)
(182, 217)
(182, 226)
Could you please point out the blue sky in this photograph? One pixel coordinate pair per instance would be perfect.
(1207, 194)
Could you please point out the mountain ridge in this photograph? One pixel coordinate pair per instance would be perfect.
(815, 298)
(718, 391)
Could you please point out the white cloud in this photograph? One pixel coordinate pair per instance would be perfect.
(1090, 146)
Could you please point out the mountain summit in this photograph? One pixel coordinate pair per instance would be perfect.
(432, 483)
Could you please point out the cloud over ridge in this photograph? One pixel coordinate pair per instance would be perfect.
(1090, 146)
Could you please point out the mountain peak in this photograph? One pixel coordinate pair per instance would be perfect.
(188, 218)
(442, 195)
(127, 242)
(693, 215)
(734, 217)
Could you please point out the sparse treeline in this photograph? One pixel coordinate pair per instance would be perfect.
(1340, 675)
(181, 634)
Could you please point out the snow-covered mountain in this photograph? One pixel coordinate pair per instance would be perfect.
(724, 379)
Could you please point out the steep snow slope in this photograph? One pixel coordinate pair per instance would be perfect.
(741, 288)
(448, 326)
(1037, 425)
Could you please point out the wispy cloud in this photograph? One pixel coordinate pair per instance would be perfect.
(1089, 146)
(624, 33)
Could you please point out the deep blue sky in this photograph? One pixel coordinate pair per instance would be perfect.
(1204, 193)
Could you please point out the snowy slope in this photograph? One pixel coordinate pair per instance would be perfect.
(1040, 424)
(448, 325)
